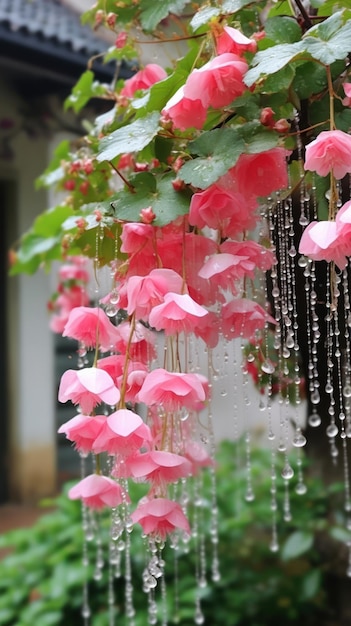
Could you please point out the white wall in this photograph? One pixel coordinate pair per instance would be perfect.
(31, 393)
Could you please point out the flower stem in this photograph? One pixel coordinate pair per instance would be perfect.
(123, 389)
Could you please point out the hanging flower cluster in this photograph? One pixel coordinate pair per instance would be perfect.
(189, 189)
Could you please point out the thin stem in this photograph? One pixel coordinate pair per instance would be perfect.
(331, 99)
(126, 182)
(121, 403)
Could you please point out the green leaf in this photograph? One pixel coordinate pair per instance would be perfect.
(282, 29)
(311, 584)
(272, 60)
(54, 172)
(49, 223)
(166, 203)
(279, 81)
(217, 150)
(85, 89)
(310, 78)
(329, 41)
(130, 138)
(203, 16)
(298, 543)
(232, 6)
(152, 13)
(340, 534)
(162, 91)
(257, 139)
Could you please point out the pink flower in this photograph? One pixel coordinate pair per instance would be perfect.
(141, 347)
(262, 257)
(71, 271)
(232, 40)
(173, 390)
(321, 241)
(347, 89)
(178, 313)
(160, 517)
(145, 292)
(261, 174)
(242, 318)
(123, 433)
(225, 269)
(83, 430)
(218, 82)
(121, 39)
(329, 152)
(97, 492)
(88, 388)
(185, 112)
(158, 466)
(114, 365)
(208, 330)
(90, 326)
(197, 455)
(222, 209)
(151, 74)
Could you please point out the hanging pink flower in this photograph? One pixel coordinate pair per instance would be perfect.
(226, 269)
(321, 241)
(222, 209)
(347, 89)
(233, 41)
(158, 467)
(136, 236)
(83, 430)
(151, 74)
(98, 491)
(185, 112)
(70, 297)
(91, 326)
(263, 258)
(196, 250)
(173, 390)
(88, 387)
(141, 346)
(123, 433)
(197, 455)
(114, 365)
(178, 313)
(329, 152)
(73, 271)
(145, 292)
(262, 173)
(208, 329)
(243, 317)
(218, 82)
(159, 517)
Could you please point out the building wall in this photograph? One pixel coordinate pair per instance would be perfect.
(31, 435)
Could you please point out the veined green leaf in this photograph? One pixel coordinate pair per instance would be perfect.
(298, 543)
(166, 203)
(152, 13)
(203, 16)
(271, 60)
(130, 138)
(282, 29)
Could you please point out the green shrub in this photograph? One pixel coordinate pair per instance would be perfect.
(41, 580)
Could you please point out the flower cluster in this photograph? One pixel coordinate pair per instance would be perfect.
(191, 277)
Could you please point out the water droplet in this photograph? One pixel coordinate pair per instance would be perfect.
(300, 489)
(332, 430)
(249, 496)
(329, 388)
(267, 367)
(287, 472)
(347, 391)
(274, 546)
(199, 617)
(299, 441)
(302, 262)
(315, 397)
(111, 310)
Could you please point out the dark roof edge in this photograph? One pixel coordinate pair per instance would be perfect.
(17, 44)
